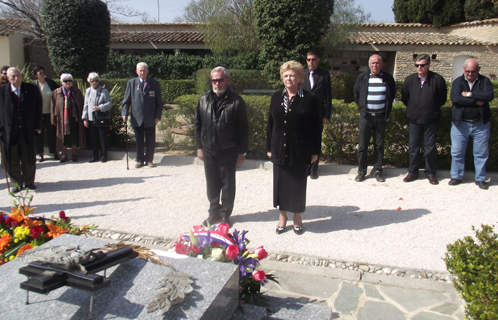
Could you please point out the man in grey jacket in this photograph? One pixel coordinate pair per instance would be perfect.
(143, 95)
(222, 138)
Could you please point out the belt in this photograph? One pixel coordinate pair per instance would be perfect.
(472, 121)
(383, 114)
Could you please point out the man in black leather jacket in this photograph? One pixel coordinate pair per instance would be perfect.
(222, 139)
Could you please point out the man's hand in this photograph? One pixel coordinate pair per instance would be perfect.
(325, 120)
(156, 120)
(314, 158)
(240, 159)
(37, 131)
(480, 103)
(125, 119)
(85, 122)
(464, 93)
(268, 154)
(200, 154)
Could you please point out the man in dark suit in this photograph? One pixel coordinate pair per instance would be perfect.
(317, 81)
(143, 94)
(20, 120)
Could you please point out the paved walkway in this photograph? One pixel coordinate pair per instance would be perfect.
(355, 233)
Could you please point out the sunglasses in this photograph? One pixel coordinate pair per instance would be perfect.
(420, 65)
(217, 80)
(94, 80)
(67, 81)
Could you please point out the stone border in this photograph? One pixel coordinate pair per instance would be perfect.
(293, 259)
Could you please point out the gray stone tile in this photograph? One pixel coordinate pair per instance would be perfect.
(348, 298)
(305, 285)
(298, 308)
(380, 311)
(412, 300)
(372, 292)
(447, 308)
(430, 316)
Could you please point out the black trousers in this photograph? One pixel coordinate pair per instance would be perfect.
(149, 135)
(429, 133)
(219, 168)
(21, 172)
(98, 136)
(314, 165)
(51, 135)
(371, 125)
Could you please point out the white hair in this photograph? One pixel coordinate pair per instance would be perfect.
(64, 76)
(92, 76)
(223, 69)
(142, 64)
(11, 70)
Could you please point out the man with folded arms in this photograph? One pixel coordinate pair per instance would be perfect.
(423, 94)
(470, 115)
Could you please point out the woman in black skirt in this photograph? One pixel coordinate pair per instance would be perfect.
(292, 143)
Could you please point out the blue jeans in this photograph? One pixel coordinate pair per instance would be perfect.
(460, 135)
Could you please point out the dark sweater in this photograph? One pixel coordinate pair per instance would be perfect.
(481, 91)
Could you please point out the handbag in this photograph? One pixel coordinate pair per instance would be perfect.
(101, 119)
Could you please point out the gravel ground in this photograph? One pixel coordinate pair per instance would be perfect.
(392, 223)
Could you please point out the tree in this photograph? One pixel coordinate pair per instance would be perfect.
(228, 25)
(436, 12)
(288, 29)
(78, 35)
(31, 10)
(480, 9)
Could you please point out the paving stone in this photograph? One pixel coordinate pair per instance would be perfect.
(447, 308)
(380, 311)
(430, 316)
(348, 298)
(305, 285)
(297, 308)
(412, 300)
(372, 292)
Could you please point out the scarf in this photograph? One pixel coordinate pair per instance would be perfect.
(67, 110)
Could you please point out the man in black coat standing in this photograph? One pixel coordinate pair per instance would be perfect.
(423, 94)
(20, 121)
(317, 81)
(143, 95)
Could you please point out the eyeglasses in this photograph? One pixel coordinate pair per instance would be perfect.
(67, 81)
(217, 80)
(420, 65)
(309, 60)
(470, 71)
(94, 80)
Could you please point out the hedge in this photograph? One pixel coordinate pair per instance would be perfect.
(240, 80)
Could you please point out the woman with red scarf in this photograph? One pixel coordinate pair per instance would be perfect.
(65, 111)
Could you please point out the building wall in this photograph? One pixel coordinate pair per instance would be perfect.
(442, 62)
(16, 50)
(4, 52)
(37, 54)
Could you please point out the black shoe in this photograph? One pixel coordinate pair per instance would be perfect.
(227, 221)
(63, 159)
(31, 187)
(103, 159)
(410, 177)
(482, 185)
(56, 156)
(15, 190)
(298, 230)
(378, 176)
(360, 177)
(314, 175)
(214, 219)
(40, 158)
(280, 230)
(432, 180)
(454, 182)
(93, 160)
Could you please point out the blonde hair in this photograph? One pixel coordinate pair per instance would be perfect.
(294, 66)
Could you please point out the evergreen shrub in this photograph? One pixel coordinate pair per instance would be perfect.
(474, 263)
(240, 80)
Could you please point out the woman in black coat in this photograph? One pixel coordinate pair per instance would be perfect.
(292, 143)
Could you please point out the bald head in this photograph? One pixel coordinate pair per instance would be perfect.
(375, 64)
(471, 69)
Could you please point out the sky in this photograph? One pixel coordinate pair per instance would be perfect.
(169, 9)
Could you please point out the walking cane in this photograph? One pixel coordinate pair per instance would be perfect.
(4, 171)
(126, 129)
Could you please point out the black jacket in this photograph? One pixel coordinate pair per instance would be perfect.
(321, 89)
(227, 129)
(423, 103)
(481, 91)
(297, 136)
(51, 83)
(361, 92)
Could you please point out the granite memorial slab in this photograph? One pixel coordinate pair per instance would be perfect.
(133, 285)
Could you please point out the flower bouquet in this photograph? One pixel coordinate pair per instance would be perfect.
(218, 244)
(20, 232)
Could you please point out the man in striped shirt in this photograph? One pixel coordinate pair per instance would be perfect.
(374, 94)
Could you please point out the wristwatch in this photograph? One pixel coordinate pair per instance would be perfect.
(468, 94)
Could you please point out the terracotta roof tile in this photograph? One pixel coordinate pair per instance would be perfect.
(420, 38)
(10, 26)
(157, 37)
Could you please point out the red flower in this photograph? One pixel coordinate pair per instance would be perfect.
(259, 275)
(35, 232)
(180, 248)
(198, 228)
(224, 228)
(9, 222)
(261, 252)
(232, 252)
(62, 215)
(195, 250)
(1, 219)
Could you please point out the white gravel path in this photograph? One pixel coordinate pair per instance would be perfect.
(344, 220)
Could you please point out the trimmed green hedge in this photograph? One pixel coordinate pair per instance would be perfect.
(240, 80)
